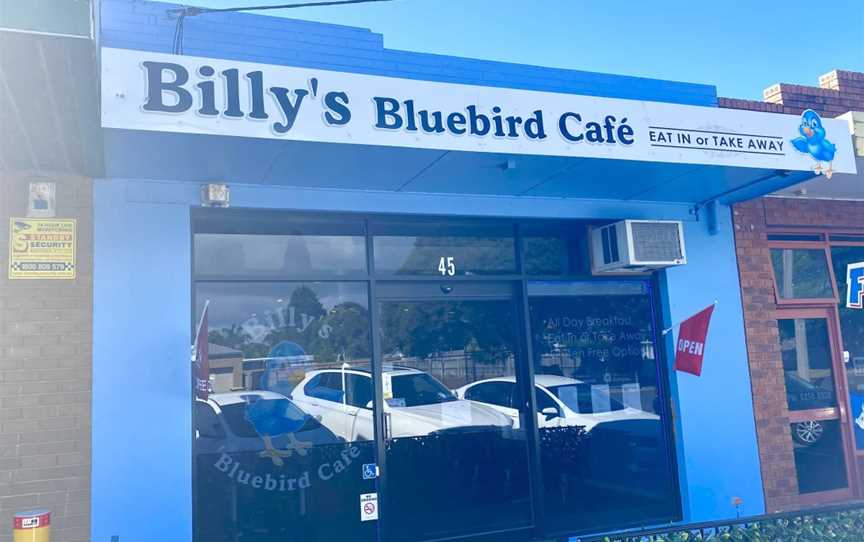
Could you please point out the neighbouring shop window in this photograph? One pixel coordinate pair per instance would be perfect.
(600, 406)
(444, 249)
(805, 349)
(801, 273)
(852, 333)
(278, 454)
(819, 455)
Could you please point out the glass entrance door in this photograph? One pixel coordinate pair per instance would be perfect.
(813, 378)
(282, 438)
(452, 374)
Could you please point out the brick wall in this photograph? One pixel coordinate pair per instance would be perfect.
(838, 92)
(753, 220)
(45, 374)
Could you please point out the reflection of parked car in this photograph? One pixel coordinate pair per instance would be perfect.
(419, 405)
(561, 401)
(808, 432)
(247, 421)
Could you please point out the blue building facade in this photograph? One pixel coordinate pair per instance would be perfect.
(147, 299)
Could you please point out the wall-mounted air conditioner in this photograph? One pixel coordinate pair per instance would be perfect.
(637, 246)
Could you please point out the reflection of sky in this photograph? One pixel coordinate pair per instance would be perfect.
(215, 253)
(258, 304)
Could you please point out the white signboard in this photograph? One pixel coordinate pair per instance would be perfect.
(855, 286)
(160, 92)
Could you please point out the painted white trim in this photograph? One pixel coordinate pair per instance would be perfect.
(53, 34)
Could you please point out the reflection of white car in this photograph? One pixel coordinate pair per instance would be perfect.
(561, 402)
(419, 405)
(246, 421)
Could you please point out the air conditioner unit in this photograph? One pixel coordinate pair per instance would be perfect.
(637, 246)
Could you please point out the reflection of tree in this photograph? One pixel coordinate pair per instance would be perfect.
(299, 321)
(420, 329)
(336, 335)
(476, 254)
(345, 334)
(544, 255)
(801, 273)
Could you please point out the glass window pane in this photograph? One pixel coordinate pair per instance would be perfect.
(555, 248)
(444, 249)
(600, 406)
(278, 256)
(805, 348)
(801, 273)
(279, 447)
(456, 463)
(545, 255)
(816, 237)
(820, 461)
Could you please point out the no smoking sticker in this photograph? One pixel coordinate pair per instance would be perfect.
(368, 507)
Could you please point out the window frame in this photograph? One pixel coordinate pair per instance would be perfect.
(803, 245)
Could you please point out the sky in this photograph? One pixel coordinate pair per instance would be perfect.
(740, 46)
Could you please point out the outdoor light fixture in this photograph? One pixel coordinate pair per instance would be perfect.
(215, 195)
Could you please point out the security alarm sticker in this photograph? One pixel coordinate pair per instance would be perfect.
(41, 248)
(41, 202)
(368, 507)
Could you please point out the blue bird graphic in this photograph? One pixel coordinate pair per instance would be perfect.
(277, 418)
(813, 142)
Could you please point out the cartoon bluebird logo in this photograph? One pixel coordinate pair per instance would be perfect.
(813, 142)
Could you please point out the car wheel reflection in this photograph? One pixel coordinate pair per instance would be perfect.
(809, 432)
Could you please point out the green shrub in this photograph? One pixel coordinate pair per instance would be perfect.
(846, 526)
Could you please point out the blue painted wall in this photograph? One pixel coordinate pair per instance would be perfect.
(142, 307)
(715, 428)
(142, 404)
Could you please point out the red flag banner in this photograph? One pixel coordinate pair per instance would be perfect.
(201, 358)
(690, 347)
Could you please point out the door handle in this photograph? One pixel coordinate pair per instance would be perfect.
(387, 432)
